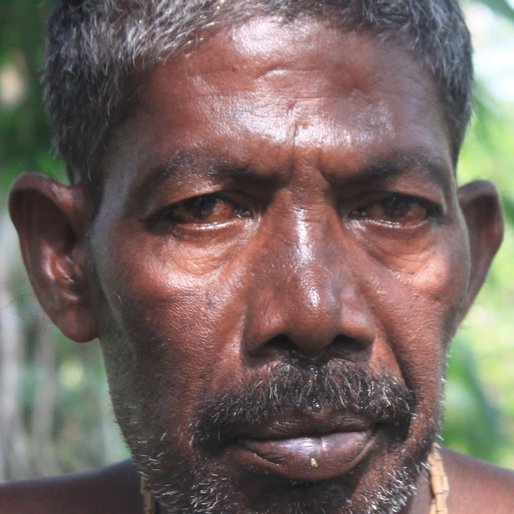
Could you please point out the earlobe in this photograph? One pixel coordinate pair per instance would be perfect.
(51, 220)
(481, 209)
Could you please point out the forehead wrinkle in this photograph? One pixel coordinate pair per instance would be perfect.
(260, 59)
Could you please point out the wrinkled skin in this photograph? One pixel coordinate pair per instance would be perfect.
(282, 201)
(288, 141)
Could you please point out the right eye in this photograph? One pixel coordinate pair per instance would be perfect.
(212, 209)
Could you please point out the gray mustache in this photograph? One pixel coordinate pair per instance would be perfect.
(339, 387)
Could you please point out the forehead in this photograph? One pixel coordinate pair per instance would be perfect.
(269, 93)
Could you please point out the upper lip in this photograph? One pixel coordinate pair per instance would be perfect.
(292, 425)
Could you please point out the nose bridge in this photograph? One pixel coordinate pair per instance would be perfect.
(314, 282)
(306, 286)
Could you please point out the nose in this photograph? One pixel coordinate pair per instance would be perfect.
(307, 300)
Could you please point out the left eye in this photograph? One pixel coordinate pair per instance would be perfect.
(206, 209)
(396, 209)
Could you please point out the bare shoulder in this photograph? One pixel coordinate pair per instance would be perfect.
(477, 487)
(110, 490)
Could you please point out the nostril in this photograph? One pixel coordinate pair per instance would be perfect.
(282, 344)
(348, 348)
(340, 347)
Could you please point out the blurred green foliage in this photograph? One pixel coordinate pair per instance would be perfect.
(480, 389)
(24, 129)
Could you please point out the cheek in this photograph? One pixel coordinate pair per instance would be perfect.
(182, 329)
(420, 308)
(440, 283)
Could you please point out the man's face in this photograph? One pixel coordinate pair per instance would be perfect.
(281, 262)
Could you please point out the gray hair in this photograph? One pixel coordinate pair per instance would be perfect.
(95, 47)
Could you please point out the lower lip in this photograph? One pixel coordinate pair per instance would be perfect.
(310, 458)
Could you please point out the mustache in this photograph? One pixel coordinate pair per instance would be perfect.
(338, 387)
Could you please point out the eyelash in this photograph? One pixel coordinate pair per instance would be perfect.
(230, 209)
(182, 213)
(430, 210)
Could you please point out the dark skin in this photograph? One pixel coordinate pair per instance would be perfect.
(273, 197)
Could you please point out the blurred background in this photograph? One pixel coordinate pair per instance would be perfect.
(55, 414)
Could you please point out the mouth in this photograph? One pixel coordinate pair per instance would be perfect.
(307, 448)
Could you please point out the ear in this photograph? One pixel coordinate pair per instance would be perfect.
(51, 220)
(481, 209)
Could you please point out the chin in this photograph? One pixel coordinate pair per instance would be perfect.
(204, 489)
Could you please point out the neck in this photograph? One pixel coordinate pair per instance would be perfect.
(420, 502)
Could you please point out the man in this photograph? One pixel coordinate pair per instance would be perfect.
(265, 233)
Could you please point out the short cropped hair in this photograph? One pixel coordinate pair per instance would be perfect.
(95, 48)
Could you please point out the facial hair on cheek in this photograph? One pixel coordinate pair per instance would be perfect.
(194, 483)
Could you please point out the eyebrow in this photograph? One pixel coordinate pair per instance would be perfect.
(395, 164)
(182, 164)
